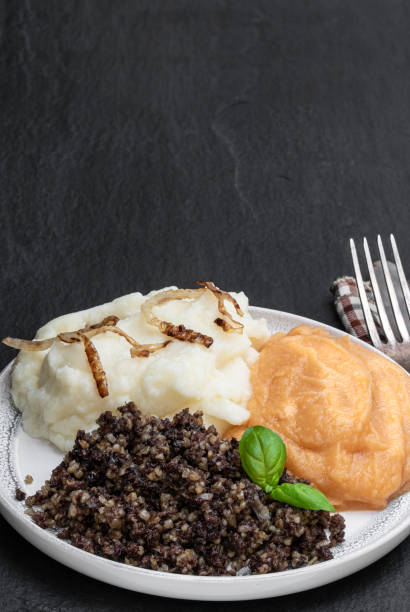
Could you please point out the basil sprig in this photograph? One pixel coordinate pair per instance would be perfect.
(263, 456)
(302, 496)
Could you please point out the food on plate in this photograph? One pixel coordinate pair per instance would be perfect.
(20, 494)
(171, 495)
(343, 412)
(171, 349)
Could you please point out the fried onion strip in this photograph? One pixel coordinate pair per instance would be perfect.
(108, 321)
(28, 345)
(145, 350)
(137, 350)
(94, 361)
(227, 323)
(42, 345)
(70, 337)
(179, 332)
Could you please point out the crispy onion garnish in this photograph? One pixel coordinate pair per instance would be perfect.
(227, 323)
(109, 324)
(94, 361)
(179, 332)
(137, 350)
(42, 345)
(28, 345)
(84, 336)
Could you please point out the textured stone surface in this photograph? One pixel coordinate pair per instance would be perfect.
(150, 143)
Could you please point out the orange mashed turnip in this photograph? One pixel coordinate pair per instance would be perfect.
(343, 412)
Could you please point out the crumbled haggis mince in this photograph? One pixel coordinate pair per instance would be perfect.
(172, 496)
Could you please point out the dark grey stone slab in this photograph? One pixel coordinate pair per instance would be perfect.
(150, 143)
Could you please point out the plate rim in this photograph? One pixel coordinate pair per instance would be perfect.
(94, 566)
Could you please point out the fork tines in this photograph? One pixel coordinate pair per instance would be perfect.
(391, 340)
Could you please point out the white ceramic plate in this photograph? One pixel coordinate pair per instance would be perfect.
(369, 535)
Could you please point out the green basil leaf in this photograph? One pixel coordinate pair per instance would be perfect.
(301, 496)
(263, 455)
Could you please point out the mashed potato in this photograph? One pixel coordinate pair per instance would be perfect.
(57, 394)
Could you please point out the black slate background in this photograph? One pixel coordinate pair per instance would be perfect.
(153, 143)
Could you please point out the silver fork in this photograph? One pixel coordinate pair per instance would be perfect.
(397, 349)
